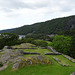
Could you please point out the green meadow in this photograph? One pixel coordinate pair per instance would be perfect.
(48, 69)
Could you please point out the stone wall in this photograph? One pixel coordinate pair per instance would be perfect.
(69, 58)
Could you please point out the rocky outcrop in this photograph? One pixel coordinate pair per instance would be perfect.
(31, 61)
(70, 24)
(9, 55)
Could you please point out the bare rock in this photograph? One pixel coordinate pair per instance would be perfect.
(31, 61)
(16, 65)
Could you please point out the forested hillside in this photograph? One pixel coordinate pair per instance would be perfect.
(48, 27)
(7, 30)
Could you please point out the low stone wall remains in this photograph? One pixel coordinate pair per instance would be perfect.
(69, 58)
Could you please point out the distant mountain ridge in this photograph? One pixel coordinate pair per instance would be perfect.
(47, 27)
(7, 30)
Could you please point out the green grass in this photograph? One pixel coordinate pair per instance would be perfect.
(38, 50)
(39, 70)
(48, 69)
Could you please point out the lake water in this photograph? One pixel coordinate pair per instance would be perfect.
(21, 36)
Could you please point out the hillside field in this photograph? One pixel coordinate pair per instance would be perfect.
(48, 69)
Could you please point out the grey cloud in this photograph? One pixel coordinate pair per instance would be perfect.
(8, 5)
(66, 5)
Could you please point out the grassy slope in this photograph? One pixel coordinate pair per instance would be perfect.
(52, 69)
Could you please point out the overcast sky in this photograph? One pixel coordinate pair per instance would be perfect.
(16, 13)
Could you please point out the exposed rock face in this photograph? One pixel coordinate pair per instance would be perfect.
(9, 55)
(71, 24)
(16, 65)
(31, 61)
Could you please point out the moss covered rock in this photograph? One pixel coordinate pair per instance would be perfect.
(33, 60)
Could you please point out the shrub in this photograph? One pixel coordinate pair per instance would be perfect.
(62, 43)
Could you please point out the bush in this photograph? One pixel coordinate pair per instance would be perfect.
(62, 43)
(41, 43)
(8, 39)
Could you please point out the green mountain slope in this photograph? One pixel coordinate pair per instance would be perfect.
(7, 30)
(48, 27)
